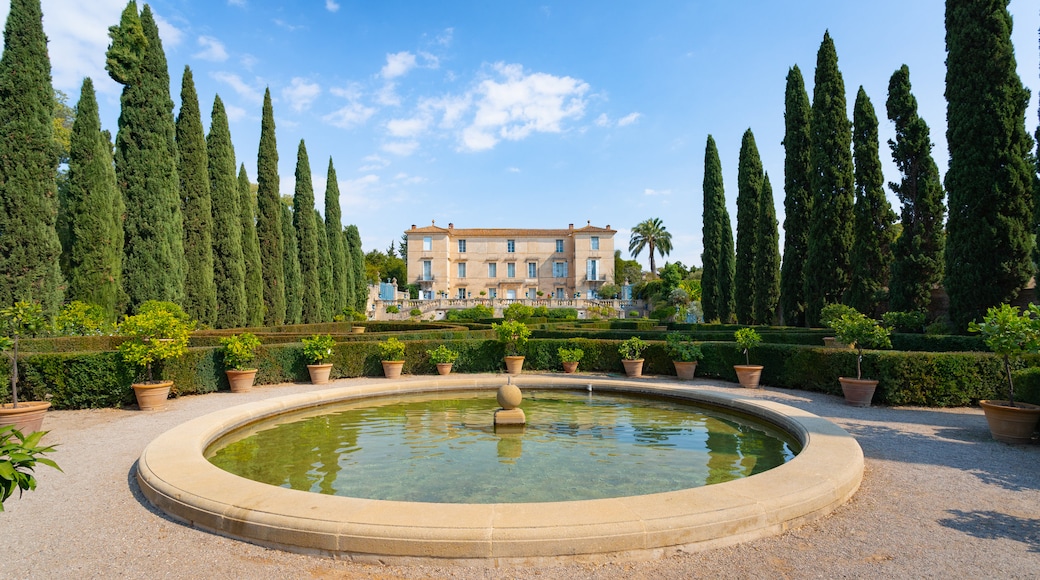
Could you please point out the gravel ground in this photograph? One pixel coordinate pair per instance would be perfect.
(939, 498)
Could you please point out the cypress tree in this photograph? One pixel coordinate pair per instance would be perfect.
(988, 234)
(29, 245)
(918, 253)
(717, 259)
(797, 198)
(254, 281)
(749, 192)
(146, 162)
(269, 229)
(336, 293)
(200, 293)
(324, 270)
(307, 238)
(357, 262)
(291, 264)
(228, 260)
(827, 267)
(92, 238)
(767, 257)
(873, 216)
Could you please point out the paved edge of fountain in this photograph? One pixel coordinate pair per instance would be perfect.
(176, 478)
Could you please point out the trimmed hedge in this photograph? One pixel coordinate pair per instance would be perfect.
(1027, 386)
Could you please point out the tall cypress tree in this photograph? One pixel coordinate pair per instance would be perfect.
(29, 245)
(767, 257)
(873, 216)
(269, 220)
(988, 234)
(357, 262)
(749, 190)
(827, 267)
(717, 259)
(200, 293)
(146, 162)
(91, 213)
(307, 238)
(918, 253)
(797, 198)
(291, 264)
(324, 270)
(336, 293)
(228, 260)
(254, 281)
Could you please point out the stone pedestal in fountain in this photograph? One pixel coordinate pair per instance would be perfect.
(509, 396)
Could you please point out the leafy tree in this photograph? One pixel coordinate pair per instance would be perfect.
(90, 218)
(254, 282)
(918, 253)
(797, 198)
(827, 267)
(749, 192)
(64, 117)
(626, 271)
(324, 270)
(767, 257)
(357, 262)
(339, 260)
(307, 238)
(717, 279)
(228, 260)
(650, 234)
(29, 245)
(988, 243)
(873, 216)
(269, 231)
(291, 264)
(200, 293)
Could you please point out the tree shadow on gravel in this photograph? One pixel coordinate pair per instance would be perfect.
(990, 525)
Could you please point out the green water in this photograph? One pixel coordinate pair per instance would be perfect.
(443, 448)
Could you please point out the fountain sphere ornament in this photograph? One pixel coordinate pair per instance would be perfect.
(509, 396)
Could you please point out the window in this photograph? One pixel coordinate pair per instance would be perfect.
(532, 270)
(532, 293)
(510, 294)
(559, 294)
(510, 246)
(462, 294)
(592, 269)
(427, 243)
(462, 269)
(462, 246)
(492, 270)
(559, 269)
(427, 270)
(594, 242)
(559, 246)
(492, 292)
(510, 270)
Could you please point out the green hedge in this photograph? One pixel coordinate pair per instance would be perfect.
(1027, 386)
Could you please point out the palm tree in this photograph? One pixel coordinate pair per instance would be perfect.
(650, 233)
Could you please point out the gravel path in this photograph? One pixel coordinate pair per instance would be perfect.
(939, 498)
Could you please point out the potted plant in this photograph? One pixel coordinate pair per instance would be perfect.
(830, 313)
(318, 349)
(391, 352)
(513, 335)
(570, 358)
(21, 319)
(19, 455)
(1010, 333)
(240, 350)
(631, 352)
(859, 331)
(685, 354)
(748, 374)
(158, 331)
(443, 357)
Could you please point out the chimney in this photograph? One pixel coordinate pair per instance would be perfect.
(451, 226)
(413, 226)
(570, 226)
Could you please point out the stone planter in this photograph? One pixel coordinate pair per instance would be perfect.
(320, 373)
(858, 392)
(831, 342)
(392, 368)
(241, 381)
(685, 370)
(1011, 424)
(748, 375)
(357, 330)
(570, 367)
(27, 417)
(152, 396)
(633, 367)
(444, 368)
(514, 364)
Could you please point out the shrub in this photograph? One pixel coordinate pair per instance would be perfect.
(513, 335)
(23, 318)
(353, 315)
(632, 348)
(391, 349)
(414, 312)
(443, 355)
(517, 311)
(81, 319)
(1009, 333)
(570, 354)
(239, 349)
(905, 321)
(478, 312)
(159, 331)
(682, 348)
(832, 312)
(19, 455)
(862, 332)
(748, 339)
(392, 309)
(317, 348)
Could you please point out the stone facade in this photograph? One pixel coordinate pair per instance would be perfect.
(508, 263)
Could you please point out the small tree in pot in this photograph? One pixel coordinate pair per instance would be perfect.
(443, 357)
(513, 335)
(631, 352)
(21, 319)
(685, 353)
(1010, 333)
(158, 331)
(240, 350)
(570, 357)
(748, 374)
(391, 352)
(859, 331)
(318, 349)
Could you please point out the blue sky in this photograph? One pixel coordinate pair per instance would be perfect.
(524, 114)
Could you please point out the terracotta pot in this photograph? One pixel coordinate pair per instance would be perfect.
(241, 381)
(514, 364)
(858, 392)
(570, 366)
(320, 373)
(392, 368)
(748, 375)
(685, 370)
(831, 342)
(633, 367)
(152, 396)
(443, 368)
(27, 417)
(357, 330)
(1011, 424)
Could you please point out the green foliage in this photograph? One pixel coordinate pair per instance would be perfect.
(415, 312)
(337, 294)
(632, 348)
(609, 291)
(19, 455)
(1027, 385)
(254, 271)
(478, 312)
(683, 348)
(905, 321)
(797, 199)
(317, 348)
(324, 269)
(353, 315)
(650, 234)
(159, 331)
(857, 329)
(517, 311)
(832, 312)
(570, 354)
(129, 43)
(1010, 333)
(291, 267)
(269, 230)
(513, 335)
(393, 309)
(747, 339)
(81, 319)
(767, 257)
(229, 263)
(749, 192)
(442, 355)
(357, 262)
(239, 349)
(391, 349)
(307, 239)
(22, 318)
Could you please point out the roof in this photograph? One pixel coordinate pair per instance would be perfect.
(509, 232)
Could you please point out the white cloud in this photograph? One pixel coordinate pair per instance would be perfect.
(407, 127)
(351, 92)
(349, 116)
(387, 96)
(331, 5)
(402, 148)
(373, 163)
(445, 38)
(602, 120)
(408, 179)
(248, 61)
(301, 93)
(652, 192)
(397, 64)
(628, 119)
(169, 34)
(286, 25)
(212, 49)
(430, 60)
(234, 113)
(450, 108)
(513, 169)
(239, 86)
